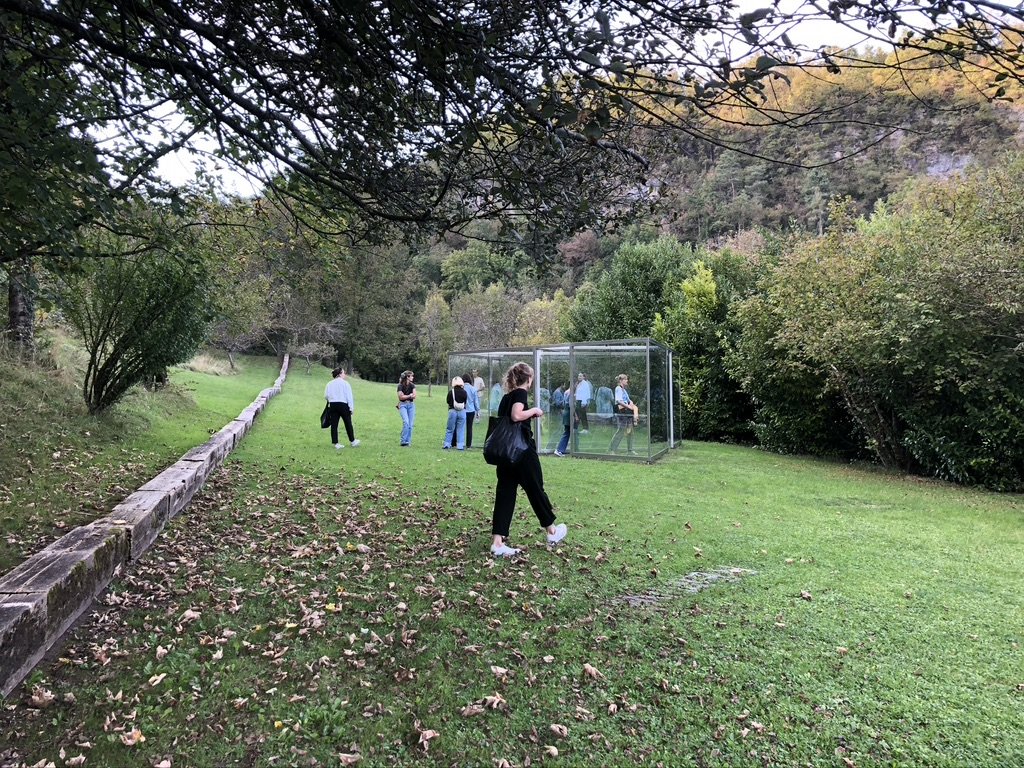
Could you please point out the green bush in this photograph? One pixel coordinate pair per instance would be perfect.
(137, 315)
(914, 318)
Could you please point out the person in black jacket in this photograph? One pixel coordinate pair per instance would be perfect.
(525, 472)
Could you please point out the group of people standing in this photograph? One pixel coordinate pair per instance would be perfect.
(627, 415)
(464, 398)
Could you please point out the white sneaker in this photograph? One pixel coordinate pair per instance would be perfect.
(355, 443)
(560, 531)
(504, 551)
(338, 446)
(559, 453)
(584, 431)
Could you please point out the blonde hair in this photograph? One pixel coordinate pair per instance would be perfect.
(622, 377)
(517, 375)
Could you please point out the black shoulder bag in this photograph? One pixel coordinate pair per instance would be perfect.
(505, 443)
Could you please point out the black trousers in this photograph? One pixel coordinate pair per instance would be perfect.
(526, 473)
(470, 418)
(581, 415)
(341, 411)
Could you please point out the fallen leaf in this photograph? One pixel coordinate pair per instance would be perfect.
(559, 730)
(426, 736)
(551, 751)
(348, 758)
(132, 738)
(805, 595)
(41, 698)
(592, 672)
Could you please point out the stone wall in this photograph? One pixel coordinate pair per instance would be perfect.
(41, 598)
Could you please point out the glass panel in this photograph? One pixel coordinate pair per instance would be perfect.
(553, 380)
(659, 400)
(589, 415)
(605, 427)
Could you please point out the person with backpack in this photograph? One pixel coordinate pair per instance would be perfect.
(472, 407)
(456, 428)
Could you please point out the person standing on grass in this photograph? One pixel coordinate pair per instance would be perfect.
(526, 472)
(563, 443)
(456, 428)
(341, 404)
(626, 415)
(407, 405)
(472, 408)
(584, 394)
(478, 385)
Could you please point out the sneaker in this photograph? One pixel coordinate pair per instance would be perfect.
(355, 443)
(504, 551)
(559, 454)
(404, 445)
(584, 431)
(338, 446)
(560, 531)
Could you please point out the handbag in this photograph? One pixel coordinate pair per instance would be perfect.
(325, 417)
(505, 444)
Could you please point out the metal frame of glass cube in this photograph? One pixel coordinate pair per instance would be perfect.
(595, 432)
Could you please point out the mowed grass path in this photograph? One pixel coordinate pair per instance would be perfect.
(316, 607)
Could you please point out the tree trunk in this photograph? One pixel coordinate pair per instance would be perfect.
(21, 310)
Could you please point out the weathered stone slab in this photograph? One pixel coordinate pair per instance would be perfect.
(143, 515)
(235, 430)
(179, 482)
(210, 454)
(245, 419)
(22, 637)
(70, 573)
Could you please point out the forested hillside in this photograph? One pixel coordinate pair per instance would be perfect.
(868, 134)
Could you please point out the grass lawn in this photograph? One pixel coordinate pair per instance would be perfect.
(322, 607)
(60, 467)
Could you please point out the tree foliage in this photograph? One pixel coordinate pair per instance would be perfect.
(623, 301)
(136, 314)
(914, 318)
(432, 113)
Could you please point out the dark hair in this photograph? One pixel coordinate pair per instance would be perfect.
(337, 372)
(405, 377)
(517, 375)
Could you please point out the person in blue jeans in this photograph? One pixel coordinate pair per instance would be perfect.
(407, 405)
(456, 415)
(563, 444)
(472, 407)
(626, 414)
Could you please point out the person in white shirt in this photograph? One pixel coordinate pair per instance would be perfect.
(341, 405)
(584, 394)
